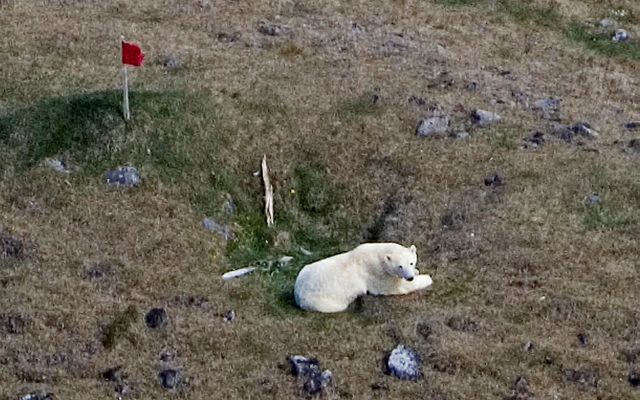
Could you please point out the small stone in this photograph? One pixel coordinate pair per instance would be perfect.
(493, 181)
(606, 23)
(634, 378)
(13, 324)
(116, 374)
(170, 378)
(528, 346)
(212, 226)
(582, 377)
(405, 363)
(584, 129)
(432, 126)
(270, 29)
(632, 125)
(550, 107)
(634, 144)
(38, 396)
(521, 98)
(316, 383)
(301, 366)
(171, 62)
(10, 246)
(472, 86)
(167, 356)
(57, 165)
(156, 318)
(485, 118)
(460, 135)
(535, 140)
(620, 35)
(284, 261)
(583, 340)
(229, 316)
(590, 201)
(228, 37)
(123, 176)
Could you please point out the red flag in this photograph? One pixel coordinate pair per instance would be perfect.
(132, 54)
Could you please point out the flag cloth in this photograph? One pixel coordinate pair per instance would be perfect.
(132, 54)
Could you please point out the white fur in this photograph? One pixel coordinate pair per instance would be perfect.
(331, 284)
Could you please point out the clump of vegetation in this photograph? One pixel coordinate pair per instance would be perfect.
(119, 327)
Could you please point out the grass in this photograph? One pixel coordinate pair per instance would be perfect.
(527, 261)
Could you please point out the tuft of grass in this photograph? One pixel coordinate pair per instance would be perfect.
(119, 327)
(504, 139)
(525, 12)
(317, 193)
(353, 109)
(291, 50)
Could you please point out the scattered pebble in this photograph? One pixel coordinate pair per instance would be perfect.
(632, 125)
(520, 390)
(170, 378)
(432, 126)
(13, 324)
(156, 318)
(57, 165)
(223, 230)
(569, 132)
(634, 378)
(493, 181)
(308, 369)
(606, 23)
(38, 396)
(230, 316)
(535, 140)
(123, 176)
(620, 35)
(634, 144)
(460, 135)
(269, 29)
(528, 346)
(171, 62)
(116, 374)
(228, 37)
(405, 363)
(550, 107)
(592, 200)
(521, 98)
(10, 246)
(583, 340)
(472, 86)
(285, 260)
(582, 377)
(485, 118)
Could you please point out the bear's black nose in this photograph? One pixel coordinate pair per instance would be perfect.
(410, 279)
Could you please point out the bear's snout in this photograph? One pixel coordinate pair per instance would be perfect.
(410, 278)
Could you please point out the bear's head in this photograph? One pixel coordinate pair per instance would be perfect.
(402, 263)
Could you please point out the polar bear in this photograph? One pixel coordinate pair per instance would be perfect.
(331, 284)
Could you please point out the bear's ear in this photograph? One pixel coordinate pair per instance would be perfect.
(412, 248)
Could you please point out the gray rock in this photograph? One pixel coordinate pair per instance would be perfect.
(634, 145)
(156, 318)
(123, 176)
(592, 200)
(230, 316)
(10, 246)
(632, 125)
(269, 29)
(620, 35)
(521, 98)
(535, 140)
(493, 181)
(432, 126)
(520, 390)
(405, 363)
(606, 23)
(634, 378)
(528, 346)
(583, 340)
(587, 378)
(472, 86)
(485, 118)
(308, 369)
(212, 226)
(12, 323)
(57, 165)
(171, 62)
(550, 107)
(38, 396)
(460, 135)
(170, 378)
(569, 132)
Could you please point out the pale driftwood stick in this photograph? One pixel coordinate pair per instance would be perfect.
(268, 192)
(125, 94)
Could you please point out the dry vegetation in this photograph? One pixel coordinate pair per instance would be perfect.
(525, 261)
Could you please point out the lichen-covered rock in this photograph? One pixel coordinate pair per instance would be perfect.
(405, 363)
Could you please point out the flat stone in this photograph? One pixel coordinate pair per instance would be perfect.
(432, 126)
(123, 176)
(223, 230)
(485, 118)
(620, 35)
(156, 318)
(170, 378)
(405, 363)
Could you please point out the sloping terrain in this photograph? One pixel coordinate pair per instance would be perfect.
(535, 270)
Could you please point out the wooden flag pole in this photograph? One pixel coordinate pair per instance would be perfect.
(125, 87)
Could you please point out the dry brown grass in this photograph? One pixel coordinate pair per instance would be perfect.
(524, 262)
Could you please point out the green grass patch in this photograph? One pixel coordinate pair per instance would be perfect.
(119, 327)
(602, 43)
(353, 109)
(503, 139)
